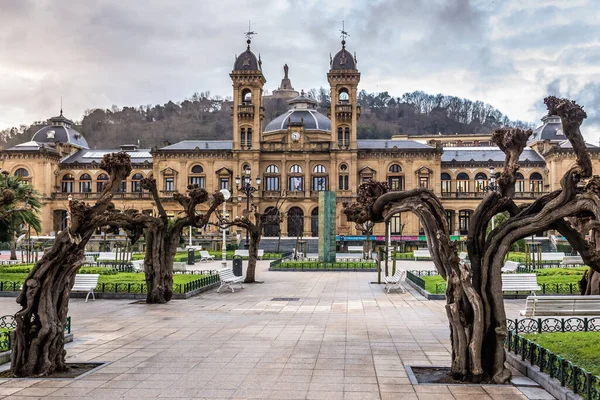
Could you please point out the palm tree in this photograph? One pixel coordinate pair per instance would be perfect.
(13, 222)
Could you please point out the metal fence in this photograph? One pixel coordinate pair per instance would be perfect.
(411, 276)
(546, 288)
(8, 324)
(317, 265)
(136, 288)
(568, 374)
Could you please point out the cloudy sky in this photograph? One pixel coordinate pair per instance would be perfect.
(99, 53)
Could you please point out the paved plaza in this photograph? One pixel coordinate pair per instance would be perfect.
(345, 338)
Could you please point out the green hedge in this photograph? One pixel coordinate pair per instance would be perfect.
(323, 265)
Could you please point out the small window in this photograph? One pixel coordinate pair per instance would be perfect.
(100, 182)
(136, 184)
(68, 183)
(272, 169)
(343, 167)
(197, 169)
(296, 169)
(22, 173)
(319, 169)
(85, 183)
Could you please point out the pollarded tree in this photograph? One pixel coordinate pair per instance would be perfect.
(38, 340)
(272, 215)
(474, 302)
(162, 235)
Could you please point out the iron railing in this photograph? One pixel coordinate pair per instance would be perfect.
(411, 276)
(318, 265)
(566, 372)
(546, 288)
(8, 324)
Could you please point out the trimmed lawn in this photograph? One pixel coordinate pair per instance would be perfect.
(544, 276)
(581, 348)
(121, 277)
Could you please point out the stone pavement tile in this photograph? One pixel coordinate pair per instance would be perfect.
(72, 392)
(360, 387)
(329, 379)
(115, 384)
(251, 394)
(326, 387)
(288, 394)
(466, 396)
(16, 397)
(106, 393)
(179, 393)
(508, 397)
(534, 393)
(385, 380)
(6, 391)
(82, 383)
(501, 389)
(49, 383)
(466, 389)
(18, 383)
(139, 392)
(394, 396)
(441, 389)
(150, 384)
(397, 388)
(435, 396)
(361, 395)
(317, 395)
(523, 381)
(360, 379)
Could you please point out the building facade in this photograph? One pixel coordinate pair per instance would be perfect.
(296, 155)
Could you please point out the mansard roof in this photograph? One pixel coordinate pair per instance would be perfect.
(199, 145)
(485, 155)
(372, 144)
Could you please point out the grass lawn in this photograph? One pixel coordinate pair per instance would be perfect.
(581, 348)
(544, 276)
(121, 277)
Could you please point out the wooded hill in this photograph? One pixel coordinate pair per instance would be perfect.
(204, 116)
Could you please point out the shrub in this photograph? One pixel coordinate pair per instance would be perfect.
(98, 270)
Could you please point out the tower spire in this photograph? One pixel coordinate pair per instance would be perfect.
(61, 110)
(249, 35)
(343, 34)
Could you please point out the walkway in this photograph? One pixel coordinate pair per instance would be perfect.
(343, 339)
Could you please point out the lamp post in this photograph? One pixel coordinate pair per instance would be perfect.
(244, 185)
(226, 196)
(492, 186)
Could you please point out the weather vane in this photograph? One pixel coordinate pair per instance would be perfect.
(344, 34)
(250, 33)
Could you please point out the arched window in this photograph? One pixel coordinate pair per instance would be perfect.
(295, 222)
(296, 179)
(481, 181)
(314, 222)
(343, 177)
(343, 136)
(462, 182)
(136, 183)
(100, 182)
(246, 96)
(446, 182)
(319, 178)
(67, 183)
(343, 96)
(85, 183)
(271, 225)
(520, 183)
(536, 182)
(196, 176)
(272, 178)
(395, 177)
(22, 173)
(395, 168)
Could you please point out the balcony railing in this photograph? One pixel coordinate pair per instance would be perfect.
(481, 195)
(271, 194)
(96, 195)
(295, 193)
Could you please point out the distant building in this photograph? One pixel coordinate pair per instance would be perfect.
(298, 154)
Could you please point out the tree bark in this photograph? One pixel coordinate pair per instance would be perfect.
(255, 237)
(38, 340)
(13, 248)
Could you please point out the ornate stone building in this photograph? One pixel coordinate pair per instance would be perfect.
(296, 155)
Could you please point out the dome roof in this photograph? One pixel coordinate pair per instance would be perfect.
(302, 112)
(247, 61)
(551, 129)
(343, 59)
(60, 130)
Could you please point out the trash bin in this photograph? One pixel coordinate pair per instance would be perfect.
(237, 265)
(191, 256)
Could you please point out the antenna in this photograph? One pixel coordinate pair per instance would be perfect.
(250, 33)
(343, 32)
(61, 112)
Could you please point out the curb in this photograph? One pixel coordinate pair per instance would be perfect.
(551, 385)
(324, 269)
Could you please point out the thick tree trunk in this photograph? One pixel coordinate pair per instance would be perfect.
(252, 257)
(159, 267)
(38, 340)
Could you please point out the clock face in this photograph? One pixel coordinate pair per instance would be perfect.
(295, 136)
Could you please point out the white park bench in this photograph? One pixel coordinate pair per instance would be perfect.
(9, 262)
(561, 305)
(138, 265)
(572, 261)
(520, 283)
(421, 253)
(195, 248)
(205, 256)
(86, 283)
(395, 281)
(355, 249)
(228, 279)
(554, 257)
(113, 257)
(246, 253)
(510, 266)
